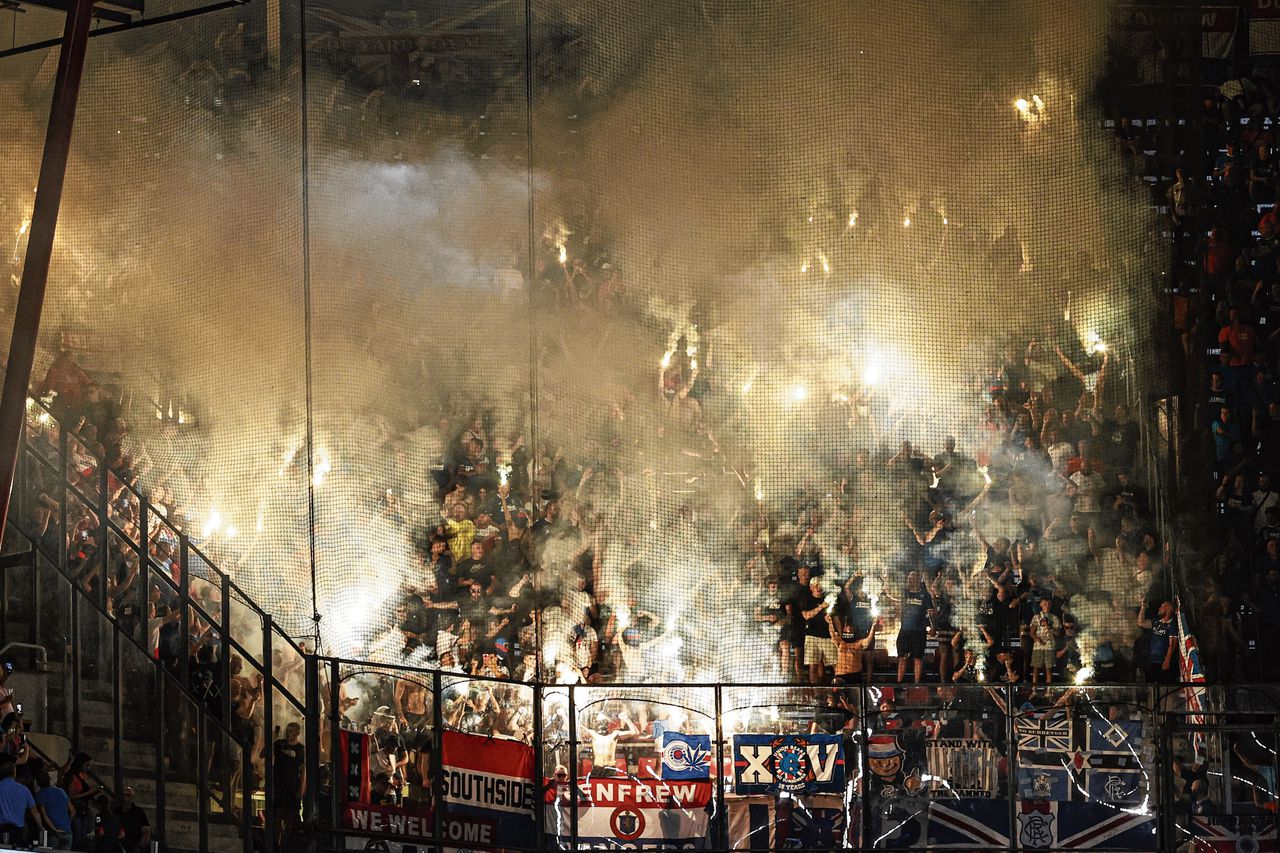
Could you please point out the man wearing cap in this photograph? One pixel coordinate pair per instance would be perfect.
(391, 754)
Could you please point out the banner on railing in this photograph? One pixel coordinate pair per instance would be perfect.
(767, 823)
(766, 764)
(488, 789)
(626, 813)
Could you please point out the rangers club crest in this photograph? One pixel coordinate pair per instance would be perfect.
(790, 764)
(627, 823)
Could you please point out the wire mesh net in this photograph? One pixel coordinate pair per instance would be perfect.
(711, 341)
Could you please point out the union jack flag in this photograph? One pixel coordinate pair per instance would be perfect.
(1234, 834)
(1192, 673)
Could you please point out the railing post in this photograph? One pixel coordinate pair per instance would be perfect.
(202, 775)
(335, 746)
(104, 538)
(539, 805)
(157, 734)
(1011, 770)
(145, 570)
(224, 677)
(720, 829)
(117, 714)
(62, 503)
(311, 722)
(184, 616)
(268, 731)
(864, 732)
(37, 603)
(573, 770)
(246, 798)
(437, 759)
(76, 648)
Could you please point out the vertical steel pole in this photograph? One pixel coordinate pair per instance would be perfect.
(202, 773)
(539, 764)
(720, 829)
(337, 786)
(268, 733)
(158, 671)
(77, 651)
(44, 222)
(117, 714)
(1011, 770)
(438, 784)
(312, 726)
(573, 771)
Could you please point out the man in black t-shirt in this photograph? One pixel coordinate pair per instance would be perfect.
(798, 599)
(133, 820)
(915, 608)
(288, 772)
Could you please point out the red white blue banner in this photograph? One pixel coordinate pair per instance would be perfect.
(625, 813)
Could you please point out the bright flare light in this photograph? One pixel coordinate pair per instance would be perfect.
(875, 606)
(666, 358)
(759, 490)
(853, 219)
(322, 470)
(798, 393)
(623, 616)
(504, 472)
(1084, 674)
(22, 229)
(232, 532)
(985, 472)
(563, 253)
(906, 222)
(746, 387)
(1094, 343)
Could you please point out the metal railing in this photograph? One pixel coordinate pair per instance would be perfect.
(97, 553)
(988, 718)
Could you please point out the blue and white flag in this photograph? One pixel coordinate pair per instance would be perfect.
(686, 756)
(1123, 737)
(1044, 783)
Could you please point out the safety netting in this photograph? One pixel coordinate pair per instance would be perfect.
(671, 341)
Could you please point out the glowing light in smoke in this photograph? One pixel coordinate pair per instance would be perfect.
(666, 359)
(853, 219)
(504, 472)
(671, 646)
(232, 532)
(261, 522)
(906, 222)
(985, 472)
(759, 490)
(1031, 111)
(746, 387)
(563, 253)
(826, 265)
(1094, 344)
(874, 371)
(798, 393)
(323, 467)
(623, 616)
(1083, 676)
(875, 606)
(213, 525)
(22, 229)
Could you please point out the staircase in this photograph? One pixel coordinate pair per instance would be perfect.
(117, 598)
